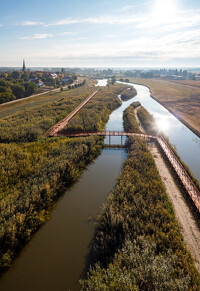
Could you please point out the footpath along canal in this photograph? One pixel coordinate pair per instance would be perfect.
(55, 258)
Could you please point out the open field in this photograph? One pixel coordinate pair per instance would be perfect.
(30, 120)
(187, 82)
(181, 100)
(10, 108)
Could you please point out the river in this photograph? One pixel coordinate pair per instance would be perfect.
(55, 258)
(186, 143)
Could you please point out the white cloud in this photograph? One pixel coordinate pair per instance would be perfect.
(37, 36)
(65, 33)
(31, 23)
(110, 19)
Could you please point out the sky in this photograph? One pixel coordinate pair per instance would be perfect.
(103, 33)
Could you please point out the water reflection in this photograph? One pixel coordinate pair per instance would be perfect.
(102, 82)
(185, 141)
(163, 124)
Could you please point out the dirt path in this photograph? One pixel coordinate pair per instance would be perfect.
(61, 124)
(189, 226)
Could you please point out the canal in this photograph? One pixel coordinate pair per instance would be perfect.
(55, 258)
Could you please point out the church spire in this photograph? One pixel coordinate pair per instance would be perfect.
(24, 67)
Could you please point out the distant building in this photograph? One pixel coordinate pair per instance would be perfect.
(54, 76)
(67, 80)
(39, 83)
(24, 67)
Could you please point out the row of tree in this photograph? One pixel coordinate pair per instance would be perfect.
(15, 89)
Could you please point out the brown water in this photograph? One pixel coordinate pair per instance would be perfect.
(55, 258)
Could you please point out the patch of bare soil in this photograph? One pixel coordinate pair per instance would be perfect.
(187, 222)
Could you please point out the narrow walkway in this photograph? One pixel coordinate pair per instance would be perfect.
(104, 133)
(182, 174)
(187, 222)
(61, 124)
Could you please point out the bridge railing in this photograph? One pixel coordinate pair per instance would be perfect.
(186, 180)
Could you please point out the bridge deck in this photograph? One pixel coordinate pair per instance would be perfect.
(104, 133)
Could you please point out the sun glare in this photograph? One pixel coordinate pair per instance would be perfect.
(164, 10)
(162, 124)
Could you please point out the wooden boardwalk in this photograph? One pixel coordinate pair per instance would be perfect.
(104, 133)
(181, 173)
(61, 124)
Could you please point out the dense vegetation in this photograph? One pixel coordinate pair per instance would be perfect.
(96, 112)
(129, 121)
(31, 123)
(35, 171)
(32, 176)
(147, 121)
(128, 94)
(15, 89)
(138, 244)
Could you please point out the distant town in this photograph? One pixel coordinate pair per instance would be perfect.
(65, 75)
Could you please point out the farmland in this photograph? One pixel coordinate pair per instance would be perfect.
(180, 99)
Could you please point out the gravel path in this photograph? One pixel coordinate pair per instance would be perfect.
(187, 222)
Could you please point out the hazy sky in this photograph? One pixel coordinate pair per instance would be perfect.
(112, 33)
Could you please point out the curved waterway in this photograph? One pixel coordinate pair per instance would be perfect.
(186, 143)
(56, 256)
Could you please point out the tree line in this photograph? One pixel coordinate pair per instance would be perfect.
(16, 89)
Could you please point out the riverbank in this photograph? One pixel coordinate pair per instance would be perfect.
(33, 176)
(137, 228)
(180, 100)
(186, 218)
(36, 172)
(138, 244)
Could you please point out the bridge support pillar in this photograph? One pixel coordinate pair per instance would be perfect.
(121, 139)
(109, 139)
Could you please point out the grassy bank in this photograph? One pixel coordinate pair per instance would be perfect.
(128, 94)
(129, 121)
(138, 244)
(147, 121)
(33, 176)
